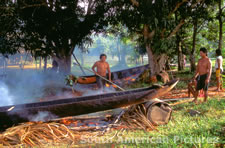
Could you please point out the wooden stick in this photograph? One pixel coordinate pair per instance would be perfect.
(114, 122)
(102, 78)
(75, 58)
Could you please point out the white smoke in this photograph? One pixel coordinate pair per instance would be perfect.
(5, 97)
(27, 86)
(42, 116)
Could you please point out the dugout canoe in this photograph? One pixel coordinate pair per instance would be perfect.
(10, 115)
(128, 74)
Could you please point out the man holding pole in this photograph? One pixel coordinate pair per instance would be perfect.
(102, 66)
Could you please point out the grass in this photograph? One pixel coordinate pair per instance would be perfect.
(205, 130)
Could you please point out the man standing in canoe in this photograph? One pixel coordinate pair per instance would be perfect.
(102, 66)
(203, 74)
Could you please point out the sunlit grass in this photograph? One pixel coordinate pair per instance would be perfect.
(184, 130)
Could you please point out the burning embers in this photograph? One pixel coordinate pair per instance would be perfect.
(108, 85)
(84, 123)
(127, 80)
(64, 131)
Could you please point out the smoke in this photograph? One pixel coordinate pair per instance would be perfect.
(42, 116)
(87, 90)
(27, 86)
(5, 97)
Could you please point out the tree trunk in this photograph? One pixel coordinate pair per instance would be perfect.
(160, 62)
(142, 59)
(64, 64)
(45, 63)
(192, 54)
(40, 64)
(123, 57)
(220, 26)
(118, 50)
(151, 60)
(179, 54)
(36, 63)
(82, 59)
(156, 62)
(167, 65)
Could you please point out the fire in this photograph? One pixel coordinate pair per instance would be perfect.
(107, 85)
(114, 86)
(68, 122)
(132, 79)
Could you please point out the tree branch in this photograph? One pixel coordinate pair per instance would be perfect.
(147, 34)
(151, 34)
(192, 6)
(176, 29)
(90, 6)
(162, 33)
(200, 28)
(135, 3)
(34, 5)
(222, 8)
(177, 6)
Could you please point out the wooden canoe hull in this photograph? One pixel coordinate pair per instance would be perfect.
(81, 105)
(86, 80)
(117, 75)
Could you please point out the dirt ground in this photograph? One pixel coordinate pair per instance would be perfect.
(175, 93)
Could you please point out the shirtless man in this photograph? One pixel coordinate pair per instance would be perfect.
(102, 66)
(203, 74)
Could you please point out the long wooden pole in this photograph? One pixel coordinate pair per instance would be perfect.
(102, 77)
(75, 58)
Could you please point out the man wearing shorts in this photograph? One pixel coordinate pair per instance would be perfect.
(203, 74)
(102, 67)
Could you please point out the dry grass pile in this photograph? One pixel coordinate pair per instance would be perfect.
(135, 117)
(41, 133)
(38, 133)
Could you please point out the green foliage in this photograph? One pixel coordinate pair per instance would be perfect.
(162, 17)
(9, 36)
(49, 27)
(70, 80)
(164, 46)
